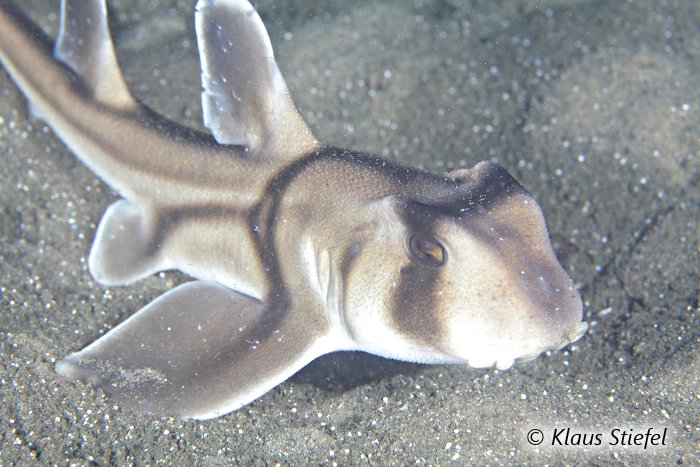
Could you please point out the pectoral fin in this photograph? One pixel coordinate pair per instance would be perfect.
(198, 351)
(245, 99)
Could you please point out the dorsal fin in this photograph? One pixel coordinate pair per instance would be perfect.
(245, 99)
(85, 45)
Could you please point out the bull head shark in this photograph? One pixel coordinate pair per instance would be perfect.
(298, 248)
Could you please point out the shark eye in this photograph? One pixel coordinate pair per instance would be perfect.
(426, 251)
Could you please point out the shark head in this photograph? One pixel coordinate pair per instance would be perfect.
(468, 276)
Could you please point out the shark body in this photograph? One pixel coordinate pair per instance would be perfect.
(298, 248)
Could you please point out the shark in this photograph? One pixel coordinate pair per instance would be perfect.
(296, 248)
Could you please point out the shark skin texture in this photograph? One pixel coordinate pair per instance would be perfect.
(297, 248)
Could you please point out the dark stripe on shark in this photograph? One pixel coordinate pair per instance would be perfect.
(413, 306)
(472, 193)
(169, 219)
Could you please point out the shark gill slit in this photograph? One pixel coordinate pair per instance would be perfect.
(347, 263)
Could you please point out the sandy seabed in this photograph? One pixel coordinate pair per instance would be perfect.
(593, 106)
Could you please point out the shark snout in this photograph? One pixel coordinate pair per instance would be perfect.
(520, 330)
